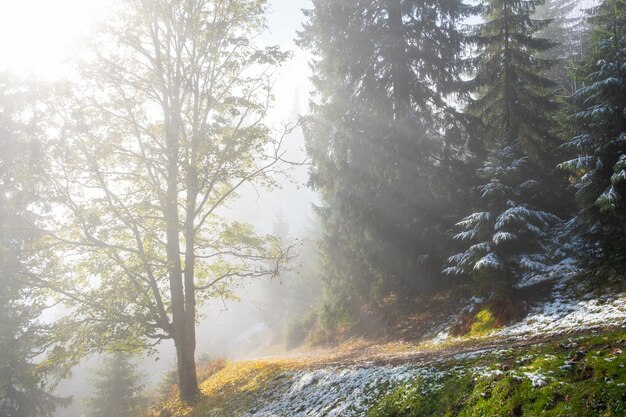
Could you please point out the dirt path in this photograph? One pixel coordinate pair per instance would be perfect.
(369, 353)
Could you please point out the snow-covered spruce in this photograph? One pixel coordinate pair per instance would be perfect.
(509, 242)
(598, 163)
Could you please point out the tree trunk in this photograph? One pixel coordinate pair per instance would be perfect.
(188, 381)
(183, 296)
(186, 367)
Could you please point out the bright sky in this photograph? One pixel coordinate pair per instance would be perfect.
(36, 36)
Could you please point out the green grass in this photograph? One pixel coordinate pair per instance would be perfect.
(583, 378)
(580, 378)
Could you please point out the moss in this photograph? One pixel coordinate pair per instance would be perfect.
(581, 378)
(416, 399)
(484, 322)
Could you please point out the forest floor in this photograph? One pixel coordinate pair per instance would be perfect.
(371, 353)
(567, 311)
(578, 374)
(565, 358)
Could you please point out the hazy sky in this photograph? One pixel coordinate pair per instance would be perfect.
(37, 36)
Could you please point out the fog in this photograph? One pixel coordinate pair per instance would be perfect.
(51, 33)
(192, 181)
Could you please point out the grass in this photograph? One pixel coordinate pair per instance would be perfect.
(229, 391)
(583, 378)
(573, 378)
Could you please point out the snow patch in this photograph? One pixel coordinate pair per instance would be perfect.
(536, 378)
(565, 314)
(334, 392)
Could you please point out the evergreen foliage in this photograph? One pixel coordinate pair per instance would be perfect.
(384, 143)
(599, 168)
(24, 374)
(419, 125)
(570, 31)
(503, 242)
(506, 243)
(118, 391)
(513, 96)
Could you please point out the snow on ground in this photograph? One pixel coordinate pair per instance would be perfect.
(334, 392)
(536, 378)
(566, 313)
(349, 392)
(442, 330)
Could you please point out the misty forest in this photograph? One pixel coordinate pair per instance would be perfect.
(264, 208)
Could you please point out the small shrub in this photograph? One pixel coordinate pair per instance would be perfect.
(484, 322)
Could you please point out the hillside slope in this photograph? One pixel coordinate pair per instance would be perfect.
(576, 376)
(566, 358)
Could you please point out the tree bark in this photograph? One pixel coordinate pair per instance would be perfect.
(186, 367)
(183, 296)
(187, 370)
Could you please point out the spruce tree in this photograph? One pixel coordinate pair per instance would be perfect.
(506, 243)
(24, 379)
(118, 391)
(512, 95)
(25, 373)
(599, 168)
(570, 30)
(384, 143)
(503, 242)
